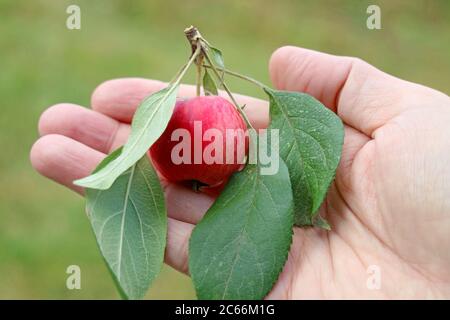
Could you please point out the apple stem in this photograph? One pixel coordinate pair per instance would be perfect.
(198, 42)
(240, 76)
(199, 79)
(194, 37)
(199, 63)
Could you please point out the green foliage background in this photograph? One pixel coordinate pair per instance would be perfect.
(42, 225)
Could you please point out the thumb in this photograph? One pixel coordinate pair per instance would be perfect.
(364, 97)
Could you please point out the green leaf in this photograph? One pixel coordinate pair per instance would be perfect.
(311, 138)
(130, 224)
(240, 247)
(149, 122)
(217, 57)
(209, 86)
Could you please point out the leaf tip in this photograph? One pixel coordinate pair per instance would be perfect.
(322, 223)
(81, 182)
(87, 182)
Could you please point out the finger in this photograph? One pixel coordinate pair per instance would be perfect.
(89, 127)
(178, 234)
(185, 204)
(185, 209)
(63, 159)
(363, 96)
(119, 99)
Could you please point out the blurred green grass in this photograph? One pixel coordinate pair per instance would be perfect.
(42, 225)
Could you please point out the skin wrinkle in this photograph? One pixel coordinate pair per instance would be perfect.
(351, 147)
(308, 81)
(297, 242)
(333, 270)
(352, 214)
(321, 285)
(317, 272)
(349, 80)
(379, 104)
(110, 141)
(296, 257)
(303, 66)
(342, 85)
(328, 241)
(185, 249)
(289, 293)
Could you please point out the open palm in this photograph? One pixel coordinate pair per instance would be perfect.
(389, 206)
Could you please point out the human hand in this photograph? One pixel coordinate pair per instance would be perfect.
(388, 206)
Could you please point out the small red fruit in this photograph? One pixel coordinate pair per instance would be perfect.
(214, 140)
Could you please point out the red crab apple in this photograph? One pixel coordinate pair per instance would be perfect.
(205, 141)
